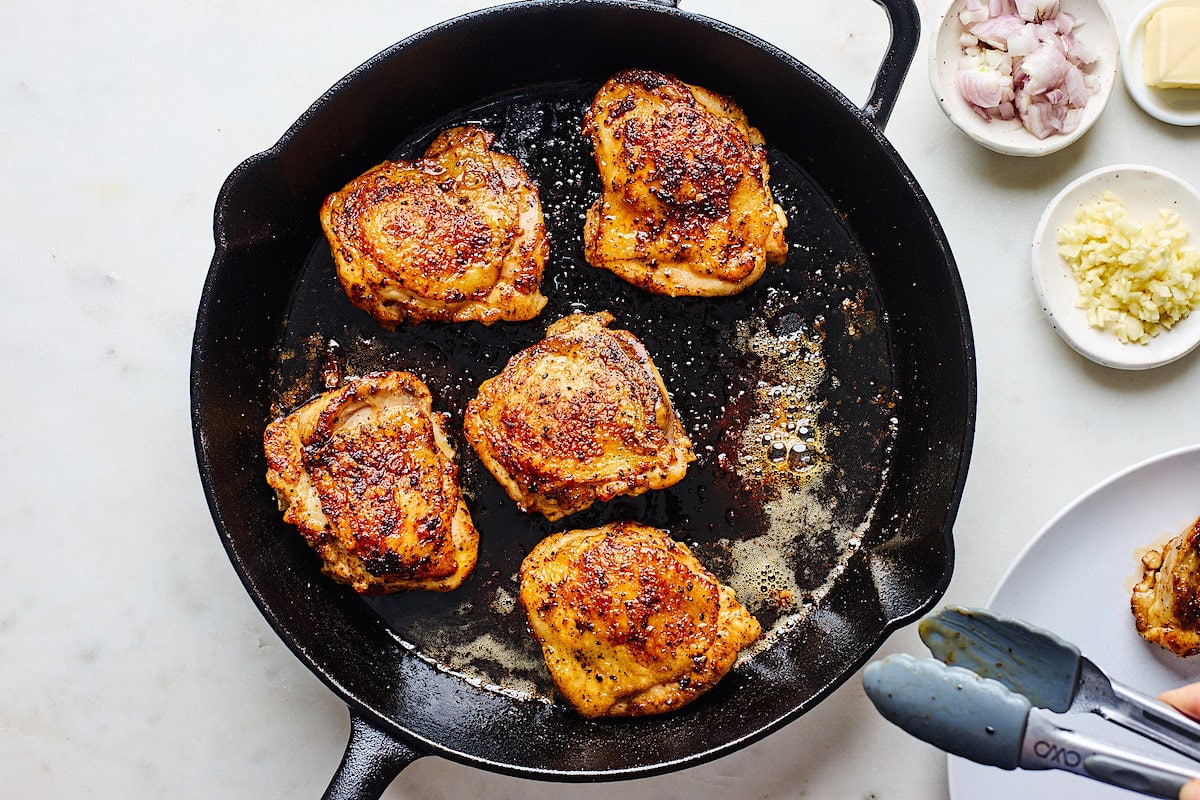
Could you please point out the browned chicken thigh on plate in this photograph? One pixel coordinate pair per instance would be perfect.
(579, 417)
(455, 236)
(629, 621)
(1166, 603)
(367, 474)
(685, 209)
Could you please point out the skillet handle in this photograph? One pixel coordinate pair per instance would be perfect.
(372, 761)
(905, 22)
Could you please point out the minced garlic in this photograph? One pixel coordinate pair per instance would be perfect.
(1134, 279)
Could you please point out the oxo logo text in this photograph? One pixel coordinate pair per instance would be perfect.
(1058, 755)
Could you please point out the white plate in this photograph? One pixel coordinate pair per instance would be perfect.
(1176, 106)
(1010, 137)
(1074, 578)
(1143, 190)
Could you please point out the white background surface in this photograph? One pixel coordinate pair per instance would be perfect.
(133, 664)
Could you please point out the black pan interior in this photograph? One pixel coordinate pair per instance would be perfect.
(825, 290)
(868, 270)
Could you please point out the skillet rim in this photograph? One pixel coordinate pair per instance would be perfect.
(328, 676)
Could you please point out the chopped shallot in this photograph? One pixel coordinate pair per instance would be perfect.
(995, 31)
(986, 80)
(973, 11)
(1022, 60)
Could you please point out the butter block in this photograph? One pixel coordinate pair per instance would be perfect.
(1171, 58)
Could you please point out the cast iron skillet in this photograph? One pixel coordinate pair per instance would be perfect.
(870, 275)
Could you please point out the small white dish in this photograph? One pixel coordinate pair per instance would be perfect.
(1143, 191)
(1009, 136)
(1175, 106)
(1075, 578)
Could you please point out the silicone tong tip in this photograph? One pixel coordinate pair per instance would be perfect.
(950, 708)
(1028, 660)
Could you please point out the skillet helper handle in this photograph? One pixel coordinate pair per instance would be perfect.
(372, 761)
(1155, 720)
(905, 22)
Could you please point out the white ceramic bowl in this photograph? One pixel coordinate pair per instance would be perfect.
(1143, 191)
(1010, 137)
(1176, 106)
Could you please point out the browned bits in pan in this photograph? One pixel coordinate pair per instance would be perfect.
(779, 557)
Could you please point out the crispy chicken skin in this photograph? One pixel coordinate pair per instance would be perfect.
(1166, 603)
(579, 417)
(685, 208)
(455, 236)
(367, 474)
(629, 621)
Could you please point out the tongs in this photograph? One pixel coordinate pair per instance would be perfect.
(1052, 673)
(1003, 716)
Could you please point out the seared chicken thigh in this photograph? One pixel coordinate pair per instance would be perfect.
(581, 416)
(685, 208)
(1166, 603)
(368, 476)
(455, 236)
(629, 621)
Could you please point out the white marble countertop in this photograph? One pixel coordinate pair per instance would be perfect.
(132, 662)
